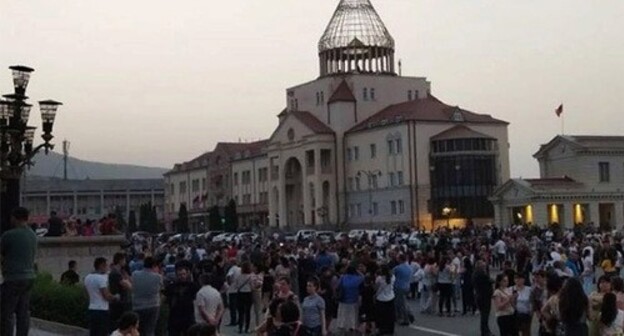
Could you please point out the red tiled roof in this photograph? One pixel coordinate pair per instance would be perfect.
(426, 109)
(342, 94)
(312, 122)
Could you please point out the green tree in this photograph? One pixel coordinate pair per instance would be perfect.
(214, 219)
(183, 221)
(147, 220)
(132, 224)
(231, 217)
(121, 220)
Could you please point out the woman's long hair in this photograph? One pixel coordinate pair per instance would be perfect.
(608, 311)
(385, 272)
(572, 301)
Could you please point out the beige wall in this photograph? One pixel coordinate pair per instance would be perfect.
(255, 187)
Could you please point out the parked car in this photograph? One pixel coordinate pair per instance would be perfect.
(305, 235)
(226, 237)
(325, 236)
(248, 235)
(341, 236)
(356, 234)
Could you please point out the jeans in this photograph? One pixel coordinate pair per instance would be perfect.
(484, 305)
(233, 306)
(99, 322)
(244, 310)
(311, 331)
(15, 300)
(148, 319)
(400, 303)
(446, 294)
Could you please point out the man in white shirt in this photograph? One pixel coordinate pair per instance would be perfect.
(96, 285)
(209, 307)
(501, 252)
(232, 274)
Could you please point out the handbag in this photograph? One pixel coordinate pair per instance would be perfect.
(243, 285)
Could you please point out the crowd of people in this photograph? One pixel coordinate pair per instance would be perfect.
(73, 227)
(560, 282)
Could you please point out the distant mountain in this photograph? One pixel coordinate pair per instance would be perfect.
(51, 165)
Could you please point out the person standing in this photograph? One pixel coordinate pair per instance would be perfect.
(313, 309)
(208, 307)
(119, 284)
(180, 296)
(18, 249)
(96, 285)
(504, 302)
(403, 276)
(384, 301)
(483, 295)
(242, 288)
(232, 297)
(70, 277)
(147, 284)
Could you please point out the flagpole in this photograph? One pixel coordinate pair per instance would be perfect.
(562, 124)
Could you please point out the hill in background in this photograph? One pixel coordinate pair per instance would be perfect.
(51, 165)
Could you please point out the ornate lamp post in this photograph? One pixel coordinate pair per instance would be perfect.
(17, 139)
(447, 212)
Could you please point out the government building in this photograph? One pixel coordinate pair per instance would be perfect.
(364, 146)
(581, 182)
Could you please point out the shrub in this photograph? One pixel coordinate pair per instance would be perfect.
(52, 301)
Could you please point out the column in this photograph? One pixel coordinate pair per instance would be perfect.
(497, 214)
(568, 215)
(128, 204)
(283, 216)
(307, 202)
(594, 213)
(48, 203)
(272, 206)
(618, 207)
(75, 207)
(391, 65)
(540, 215)
(101, 203)
(318, 191)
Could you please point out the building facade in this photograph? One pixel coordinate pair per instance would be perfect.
(90, 199)
(581, 181)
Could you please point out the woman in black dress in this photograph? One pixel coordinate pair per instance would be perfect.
(328, 294)
(468, 298)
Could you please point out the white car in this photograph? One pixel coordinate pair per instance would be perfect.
(356, 234)
(306, 234)
(248, 235)
(226, 237)
(325, 236)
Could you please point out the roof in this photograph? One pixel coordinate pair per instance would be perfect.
(32, 185)
(355, 23)
(551, 182)
(460, 132)
(585, 142)
(342, 94)
(312, 122)
(534, 186)
(429, 108)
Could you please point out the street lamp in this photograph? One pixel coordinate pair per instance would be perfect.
(370, 174)
(446, 211)
(17, 139)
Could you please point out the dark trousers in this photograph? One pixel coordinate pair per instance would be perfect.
(484, 308)
(314, 331)
(446, 293)
(148, 319)
(116, 309)
(15, 297)
(233, 306)
(385, 317)
(179, 326)
(99, 322)
(507, 325)
(468, 300)
(244, 302)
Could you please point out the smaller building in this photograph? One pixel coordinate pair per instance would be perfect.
(581, 182)
(90, 199)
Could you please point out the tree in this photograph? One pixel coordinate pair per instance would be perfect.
(214, 219)
(147, 219)
(231, 217)
(132, 224)
(183, 221)
(121, 221)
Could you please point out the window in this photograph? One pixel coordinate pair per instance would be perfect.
(400, 178)
(604, 171)
(350, 184)
(349, 154)
(374, 182)
(322, 97)
(372, 94)
(391, 179)
(182, 188)
(373, 151)
(318, 98)
(401, 207)
(359, 209)
(235, 179)
(356, 153)
(351, 211)
(390, 147)
(204, 183)
(357, 183)
(393, 207)
(172, 190)
(365, 93)
(399, 145)
(416, 94)
(375, 209)
(409, 94)
(195, 185)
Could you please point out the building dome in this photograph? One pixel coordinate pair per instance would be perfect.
(356, 40)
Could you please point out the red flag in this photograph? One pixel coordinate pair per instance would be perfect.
(559, 110)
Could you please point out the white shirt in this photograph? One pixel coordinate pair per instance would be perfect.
(500, 247)
(616, 326)
(210, 299)
(231, 276)
(385, 291)
(94, 283)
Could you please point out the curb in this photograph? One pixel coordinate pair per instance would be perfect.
(57, 328)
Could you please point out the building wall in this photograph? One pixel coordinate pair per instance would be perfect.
(584, 167)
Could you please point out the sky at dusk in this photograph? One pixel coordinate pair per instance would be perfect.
(154, 82)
